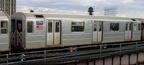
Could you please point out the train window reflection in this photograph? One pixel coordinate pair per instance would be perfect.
(114, 26)
(4, 27)
(77, 27)
(30, 27)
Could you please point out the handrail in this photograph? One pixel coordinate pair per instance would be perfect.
(71, 52)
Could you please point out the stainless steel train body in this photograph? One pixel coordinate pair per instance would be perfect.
(142, 27)
(4, 31)
(35, 30)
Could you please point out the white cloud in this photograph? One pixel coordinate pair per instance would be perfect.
(126, 8)
(48, 10)
(128, 1)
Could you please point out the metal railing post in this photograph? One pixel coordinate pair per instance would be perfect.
(7, 58)
(100, 49)
(120, 47)
(136, 45)
(44, 54)
(22, 57)
(76, 55)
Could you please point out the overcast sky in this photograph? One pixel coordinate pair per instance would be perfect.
(125, 8)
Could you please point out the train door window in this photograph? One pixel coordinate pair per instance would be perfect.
(77, 26)
(130, 26)
(139, 26)
(114, 26)
(30, 27)
(95, 27)
(13, 25)
(57, 27)
(100, 26)
(135, 26)
(142, 26)
(19, 25)
(49, 27)
(4, 27)
(126, 26)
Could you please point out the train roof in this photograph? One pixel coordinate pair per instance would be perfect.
(49, 16)
(3, 15)
(141, 19)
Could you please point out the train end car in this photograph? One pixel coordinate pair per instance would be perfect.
(39, 30)
(142, 28)
(4, 31)
(28, 31)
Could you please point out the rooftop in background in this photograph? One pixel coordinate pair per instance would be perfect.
(8, 6)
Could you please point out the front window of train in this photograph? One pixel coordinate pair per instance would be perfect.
(4, 26)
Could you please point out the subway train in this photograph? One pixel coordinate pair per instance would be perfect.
(39, 30)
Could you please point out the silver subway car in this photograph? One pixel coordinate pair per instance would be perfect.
(4, 31)
(142, 28)
(123, 29)
(37, 30)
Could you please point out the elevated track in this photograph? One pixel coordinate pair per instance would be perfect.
(71, 54)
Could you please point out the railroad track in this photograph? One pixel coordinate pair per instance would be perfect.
(66, 53)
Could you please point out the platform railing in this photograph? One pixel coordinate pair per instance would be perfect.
(67, 52)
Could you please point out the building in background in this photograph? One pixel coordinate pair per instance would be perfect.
(8, 6)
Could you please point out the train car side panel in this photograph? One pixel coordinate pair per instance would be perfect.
(4, 34)
(142, 27)
(35, 33)
(113, 31)
(4, 31)
(136, 35)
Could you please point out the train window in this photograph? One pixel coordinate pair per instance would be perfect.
(77, 26)
(57, 27)
(139, 26)
(130, 26)
(126, 26)
(30, 27)
(19, 25)
(49, 27)
(13, 25)
(135, 26)
(142, 26)
(100, 26)
(94, 29)
(4, 27)
(114, 26)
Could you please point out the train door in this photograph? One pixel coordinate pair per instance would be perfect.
(128, 31)
(142, 31)
(17, 35)
(53, 34)
(97, 31)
